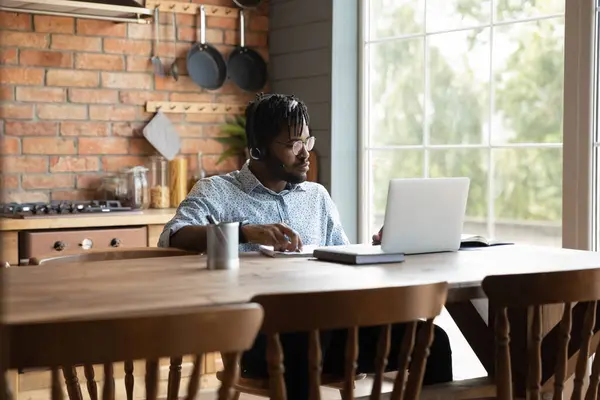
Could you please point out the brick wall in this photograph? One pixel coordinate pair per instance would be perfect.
(73, 91)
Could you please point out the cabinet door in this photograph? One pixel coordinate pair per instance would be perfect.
(154, 232)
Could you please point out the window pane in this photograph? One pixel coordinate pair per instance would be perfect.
(396, 79)
(455, 14)
(472, 163)
(392, 18)
(459, 84)
(528, 195)
(528, 76)
(387, 165)
(520, 9)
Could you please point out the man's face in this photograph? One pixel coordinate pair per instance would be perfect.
(295, 166)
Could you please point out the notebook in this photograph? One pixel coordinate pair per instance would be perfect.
(307, 251)
(357, 254)
(469, 241)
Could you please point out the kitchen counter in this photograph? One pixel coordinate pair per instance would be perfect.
(146, 217)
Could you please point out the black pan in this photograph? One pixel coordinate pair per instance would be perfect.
(205, 65)
(246, 68)
(247, 3)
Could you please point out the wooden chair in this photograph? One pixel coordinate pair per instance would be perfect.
(533, 291)
(312, 312)
(109, 254)
(228, 329)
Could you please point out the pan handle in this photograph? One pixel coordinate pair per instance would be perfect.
(242, 29)
(202, 25)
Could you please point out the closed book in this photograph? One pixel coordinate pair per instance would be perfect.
(357, 254)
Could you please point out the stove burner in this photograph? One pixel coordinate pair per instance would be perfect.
(63, 207)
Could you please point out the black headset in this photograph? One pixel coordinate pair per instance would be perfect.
(257, 152)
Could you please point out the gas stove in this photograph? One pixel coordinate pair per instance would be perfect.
(61, 208)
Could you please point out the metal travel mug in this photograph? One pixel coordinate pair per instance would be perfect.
(222, 246)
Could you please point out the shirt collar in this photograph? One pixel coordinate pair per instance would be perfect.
(250, 182)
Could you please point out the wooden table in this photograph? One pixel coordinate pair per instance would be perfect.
(137, 287)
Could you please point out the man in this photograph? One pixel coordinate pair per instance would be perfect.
(277, 207)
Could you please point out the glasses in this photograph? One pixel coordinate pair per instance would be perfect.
(297, 145)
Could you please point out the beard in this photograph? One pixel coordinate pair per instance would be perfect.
(279, 171)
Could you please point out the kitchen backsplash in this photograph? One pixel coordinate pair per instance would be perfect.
(73, 93)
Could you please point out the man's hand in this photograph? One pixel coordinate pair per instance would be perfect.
(280, 236)
(377, 237)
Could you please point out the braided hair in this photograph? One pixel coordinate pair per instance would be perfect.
(268, 113)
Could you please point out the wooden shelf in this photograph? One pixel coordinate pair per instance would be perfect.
(174, 107)
(180, 7)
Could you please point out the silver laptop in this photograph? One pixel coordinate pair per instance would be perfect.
(424, 215)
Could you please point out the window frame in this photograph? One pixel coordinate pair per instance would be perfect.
(577, 223)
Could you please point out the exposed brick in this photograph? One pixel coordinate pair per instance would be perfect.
(137, 31)
(88, 181)
(74, 164)
(24, 39)
(24, 164)
(126, 46)
(30, 128)
(93, 96)
(180, 49)
(9, 181)
(38, 94)
(211, 130)
(210, 164)
(21, 76)
(182, 19)
(108, 145)
(191, 35)
(222, 23)
(115, 163)
(84, 129)
(9, 145)
(140, 146)
(80, 195)
(47, 145)
(100, 28)
(105, 62)
(127, 129)
(76, 43)
(46, 58)
(7, 93)
(9, 56)
(189, 130)
(24, 197)
(259, 23)
(112, 113)
(126, 80)
(61, 111)
(59, 77)
(206, 146)
(47, 181)
(48, 24)
(16, 111)
(184, 84)
(253, 39)
(139, 64)
(192, 97)
(238, 98)
(15, 21)
(205, 118)
(140, 97)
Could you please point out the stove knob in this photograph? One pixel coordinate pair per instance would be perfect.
(115, 242)
(86, 244)
(59, 245)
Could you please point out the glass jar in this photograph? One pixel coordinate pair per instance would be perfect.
(160, 195)
(108, 188)
(133, 188)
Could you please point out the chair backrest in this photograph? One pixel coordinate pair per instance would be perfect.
(315, 311)
(228, 329)
(110, 254)
(533, 291)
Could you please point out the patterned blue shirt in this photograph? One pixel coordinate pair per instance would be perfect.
(306, 207)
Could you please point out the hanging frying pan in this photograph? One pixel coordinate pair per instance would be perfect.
(246, 68)
(206, 66)
(247, 4)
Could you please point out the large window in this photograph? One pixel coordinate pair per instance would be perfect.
(467, 88)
